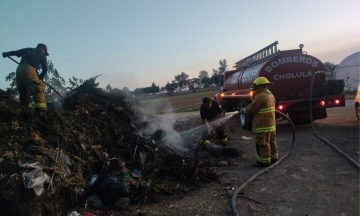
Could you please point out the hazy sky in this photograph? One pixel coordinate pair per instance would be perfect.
(135, 43)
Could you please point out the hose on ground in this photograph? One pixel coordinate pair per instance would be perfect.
(238, 190)
(313, 127)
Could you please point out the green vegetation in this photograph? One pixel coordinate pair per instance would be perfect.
(193, 109)
(52, 77)
(350, 94)
(178, 97)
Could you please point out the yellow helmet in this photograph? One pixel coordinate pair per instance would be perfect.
(260, 81)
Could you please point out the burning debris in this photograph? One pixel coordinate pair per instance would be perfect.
(90, 152)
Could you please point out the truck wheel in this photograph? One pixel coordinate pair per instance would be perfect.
(245, 119)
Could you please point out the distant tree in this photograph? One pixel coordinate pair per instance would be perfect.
(223, 66)
(181, 78)
(207, 81)
(216, 79)
(154, 88)
(215, 72)
(195, 81)
(174, 84)
(126, 90)
(330, 67)
(108, 87)
(116, 91)
(203, 75)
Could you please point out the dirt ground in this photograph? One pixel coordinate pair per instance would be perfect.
(313, 180)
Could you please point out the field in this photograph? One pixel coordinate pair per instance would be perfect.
(186, 102)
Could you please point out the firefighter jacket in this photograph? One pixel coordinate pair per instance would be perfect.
(263, 108)
(32, 57)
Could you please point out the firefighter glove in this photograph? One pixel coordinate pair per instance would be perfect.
(241, 111)
(4, 54)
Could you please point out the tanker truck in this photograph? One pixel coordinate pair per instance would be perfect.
(291, 72)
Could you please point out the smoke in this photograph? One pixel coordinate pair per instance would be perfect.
(165, 122)
(179, 143)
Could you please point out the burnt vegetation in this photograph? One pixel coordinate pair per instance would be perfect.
(90, 149)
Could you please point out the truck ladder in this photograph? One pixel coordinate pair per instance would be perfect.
(260, 56)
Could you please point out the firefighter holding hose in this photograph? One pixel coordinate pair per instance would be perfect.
(264, 122)
(27, 79)
(211, 111)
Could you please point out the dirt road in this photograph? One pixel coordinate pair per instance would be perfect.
(313, 180)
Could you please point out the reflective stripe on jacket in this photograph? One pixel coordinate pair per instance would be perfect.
(263, 108)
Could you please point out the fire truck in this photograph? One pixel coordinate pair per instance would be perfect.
(291, 72)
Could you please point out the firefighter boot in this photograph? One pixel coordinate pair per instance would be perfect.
(260, 164)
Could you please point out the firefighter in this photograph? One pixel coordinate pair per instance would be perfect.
(264, 123)
(27, 79)
(210, 111)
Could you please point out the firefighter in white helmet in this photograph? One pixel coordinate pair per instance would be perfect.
(264, 122)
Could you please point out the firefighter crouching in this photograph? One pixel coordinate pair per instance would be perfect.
(27, 79)
(211, 111)
(264, 122)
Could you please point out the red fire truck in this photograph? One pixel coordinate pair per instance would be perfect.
(291, 72)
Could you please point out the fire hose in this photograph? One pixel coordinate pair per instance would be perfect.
(52, 88)
(238, 190)
(313, 128)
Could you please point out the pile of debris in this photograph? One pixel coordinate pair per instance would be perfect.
(89, 152)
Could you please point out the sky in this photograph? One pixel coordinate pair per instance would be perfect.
(134, 43)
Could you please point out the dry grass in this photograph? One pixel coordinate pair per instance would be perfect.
(162, 105)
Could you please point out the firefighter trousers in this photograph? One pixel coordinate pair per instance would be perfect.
(28, 83)
(266, 147)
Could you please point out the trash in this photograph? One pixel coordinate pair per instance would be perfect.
(246, 138)
(142, 157)
(35, 165)
(74, 213)
(122, 203)
(90, 137)
(93, 179)
(146, 184)
(35, 179)
(223, 163)
(135, 174)
(233, 162)
(79, 191)
(114, 188)
(181, 188)
(95, 201)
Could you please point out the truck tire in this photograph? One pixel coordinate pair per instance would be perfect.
(245, 119)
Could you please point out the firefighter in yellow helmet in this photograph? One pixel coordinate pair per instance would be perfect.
(27, 79)
(264, 122)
